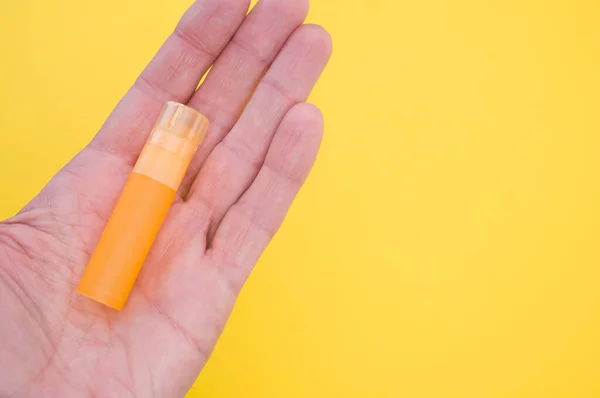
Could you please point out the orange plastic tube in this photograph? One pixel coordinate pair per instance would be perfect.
(143, 206)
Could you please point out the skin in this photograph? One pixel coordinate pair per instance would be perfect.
(261, 146)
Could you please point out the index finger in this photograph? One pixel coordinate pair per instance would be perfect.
(173, 74)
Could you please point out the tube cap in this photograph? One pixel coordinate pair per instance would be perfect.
(172, 144)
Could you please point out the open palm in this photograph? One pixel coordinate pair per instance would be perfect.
(261, 146)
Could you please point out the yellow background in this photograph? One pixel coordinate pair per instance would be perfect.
(447, 243)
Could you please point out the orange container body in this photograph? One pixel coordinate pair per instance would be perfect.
(143, 206)
(126, 240)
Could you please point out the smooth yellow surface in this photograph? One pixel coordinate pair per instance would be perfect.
(447, 243)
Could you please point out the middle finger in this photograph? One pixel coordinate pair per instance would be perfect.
(233, 78)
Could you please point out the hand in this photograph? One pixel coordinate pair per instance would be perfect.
(261, 146)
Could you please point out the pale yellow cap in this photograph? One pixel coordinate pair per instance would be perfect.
(176, 136)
